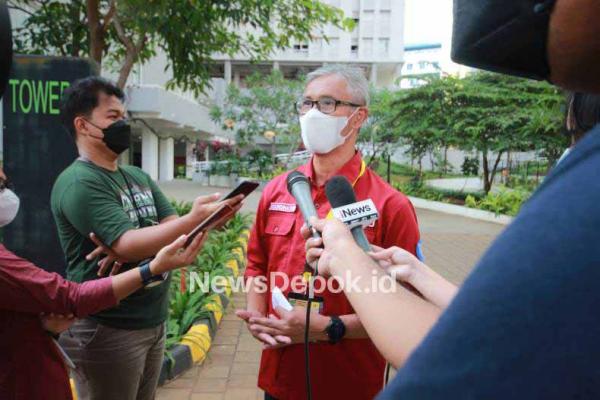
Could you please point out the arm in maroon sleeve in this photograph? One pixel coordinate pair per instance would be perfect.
(27, 288)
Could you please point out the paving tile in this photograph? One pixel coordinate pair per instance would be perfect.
(207, 396)
(245, 369)
(242, 382)
(222, 349)
(215, 371)
(246, 356)
(240, 394)
(210, 385)
(172, 394)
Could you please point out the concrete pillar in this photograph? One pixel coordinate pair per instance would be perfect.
(150, 153)
(373, 77)
(167, 159)
(276, 66)
(227, 75)
(190, 159)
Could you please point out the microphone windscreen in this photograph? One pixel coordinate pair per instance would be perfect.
(295, 177)
(339, 192)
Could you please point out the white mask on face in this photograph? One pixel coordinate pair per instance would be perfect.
(321, 133)
(9, 207)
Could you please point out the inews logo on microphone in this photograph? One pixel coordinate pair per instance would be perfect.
(362, 213)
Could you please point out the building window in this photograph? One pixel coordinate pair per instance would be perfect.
(368, 4)
(384, 23)
(385, 4)
(384, 47)
(409, 67)
(301, 48)
(367, 47)
(367, 24)
(354, 48)
(423, 64)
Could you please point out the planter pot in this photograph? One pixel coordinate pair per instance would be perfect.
(220, 180)
(197, 176)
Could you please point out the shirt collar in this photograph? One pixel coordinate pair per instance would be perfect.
(350, 170)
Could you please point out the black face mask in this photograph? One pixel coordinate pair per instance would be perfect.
(506, 36)
(117, 136)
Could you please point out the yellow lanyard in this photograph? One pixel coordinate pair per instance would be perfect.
(363, 169)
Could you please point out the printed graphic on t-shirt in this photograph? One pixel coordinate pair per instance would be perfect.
(145, 202)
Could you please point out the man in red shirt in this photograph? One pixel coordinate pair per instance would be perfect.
(346, 365)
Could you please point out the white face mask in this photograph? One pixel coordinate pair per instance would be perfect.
(9, 207)
(321, 133)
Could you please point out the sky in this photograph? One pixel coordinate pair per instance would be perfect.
(427, 21)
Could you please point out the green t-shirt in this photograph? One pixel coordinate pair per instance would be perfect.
(87, 198)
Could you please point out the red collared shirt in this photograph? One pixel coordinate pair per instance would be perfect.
(353, 368)
(31, 367)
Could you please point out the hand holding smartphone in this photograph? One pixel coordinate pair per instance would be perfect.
(220, 214)
(224, 211)
(244, 188)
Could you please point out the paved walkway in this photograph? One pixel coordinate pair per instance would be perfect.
(452, 245)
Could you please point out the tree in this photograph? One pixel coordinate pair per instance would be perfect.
(419, 118)
(485, 112)
(120, 33)
(266, 107)
(499, 113)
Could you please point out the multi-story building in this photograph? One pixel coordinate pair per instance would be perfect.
(420, 61)
(376, 45)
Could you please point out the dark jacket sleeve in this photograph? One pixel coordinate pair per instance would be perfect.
(27, 288)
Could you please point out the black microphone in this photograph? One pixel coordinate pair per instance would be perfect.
(340, 193)
(299, 187)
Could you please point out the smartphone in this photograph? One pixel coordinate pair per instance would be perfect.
(244, 188)
(210, 222)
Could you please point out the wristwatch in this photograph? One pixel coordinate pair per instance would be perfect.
(335, 330)
(149, 280)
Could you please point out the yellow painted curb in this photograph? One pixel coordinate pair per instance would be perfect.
(216, 306)
(233, 265)
(198, 340)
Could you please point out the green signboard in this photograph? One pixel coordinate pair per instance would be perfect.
(36, 149)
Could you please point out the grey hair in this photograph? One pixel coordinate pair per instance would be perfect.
(354, 77)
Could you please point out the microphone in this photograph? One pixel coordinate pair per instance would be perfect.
(340, 194)
(298, 186)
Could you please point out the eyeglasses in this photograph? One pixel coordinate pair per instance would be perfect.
(326, 105)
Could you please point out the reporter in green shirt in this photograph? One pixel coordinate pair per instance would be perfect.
(118, 352)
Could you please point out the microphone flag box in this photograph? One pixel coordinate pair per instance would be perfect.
(362, 213)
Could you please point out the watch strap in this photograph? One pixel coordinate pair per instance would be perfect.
(336, 330)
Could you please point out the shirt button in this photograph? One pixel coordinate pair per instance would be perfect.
(275, 229)
(317, 206)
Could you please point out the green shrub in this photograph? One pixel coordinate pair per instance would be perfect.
(505, 201)
(181, 207)
(470, 166)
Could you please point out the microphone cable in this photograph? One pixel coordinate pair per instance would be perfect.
(310, 293)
